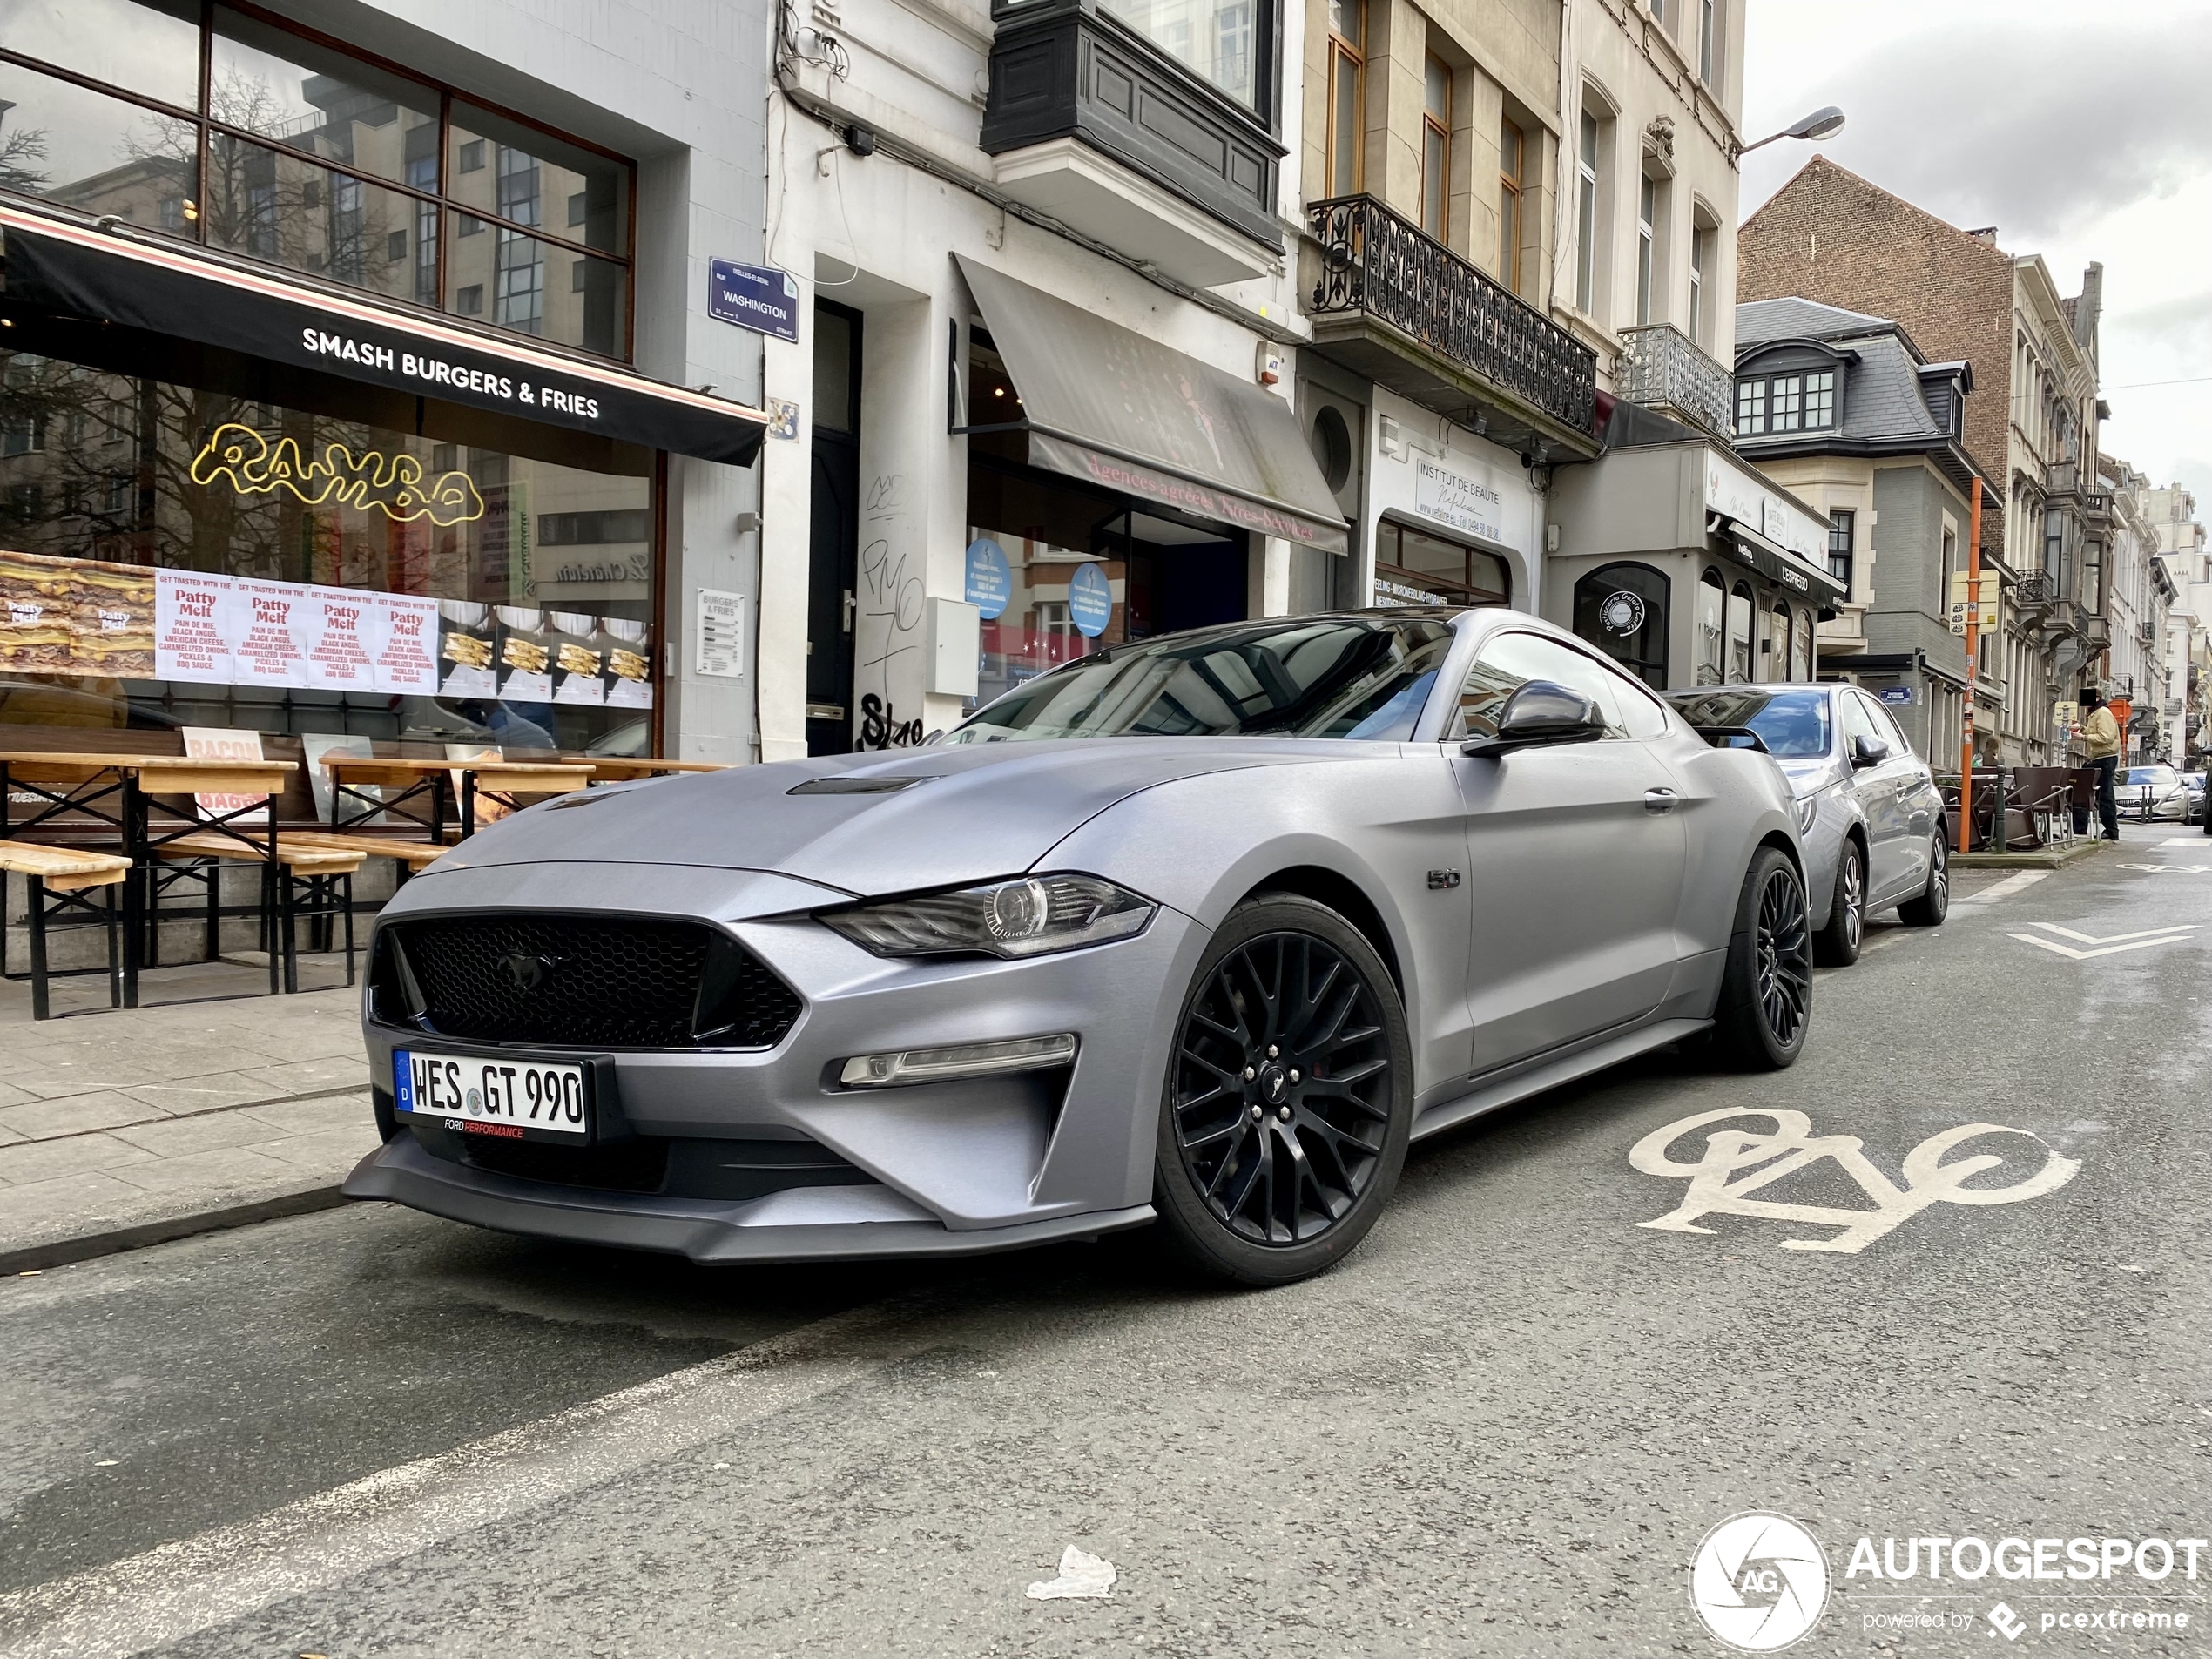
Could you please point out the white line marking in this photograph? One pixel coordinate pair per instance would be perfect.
(2188, 841)
(188, 1585)
(2109, 939)
(2068, 951)
(2004, 889)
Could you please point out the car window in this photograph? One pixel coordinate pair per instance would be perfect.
(1899, 745)
(1794, 724)
(1510, 661)
(1858, 720)
(1642, 714)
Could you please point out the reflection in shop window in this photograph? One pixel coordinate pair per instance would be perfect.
(1739, 634)
(1712, 602)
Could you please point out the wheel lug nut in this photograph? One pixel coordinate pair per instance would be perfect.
(1258, 1114)
(1283, 1112)
(1270, 1051)
(1250, 1072)
(1294, 1075)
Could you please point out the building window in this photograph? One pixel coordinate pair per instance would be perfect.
(2053, 539)
(1841, 526)
(1708, 26)
(1950, 567)
(1436, 147)
(1412, 567)
(1212, 38)
(1739, 634)
(1712, 603)
(1586, 217)
(1512, 158)
(468, 299)
(294, 150)
(1347, 73)
(1701, 259)
(1647, 235)
(1621, 609)
(1800, 402)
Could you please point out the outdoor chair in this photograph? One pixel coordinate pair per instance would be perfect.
(62, 882)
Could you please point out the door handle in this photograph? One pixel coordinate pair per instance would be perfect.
(1659, 800)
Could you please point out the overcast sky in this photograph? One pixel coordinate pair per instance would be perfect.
(2077, 131)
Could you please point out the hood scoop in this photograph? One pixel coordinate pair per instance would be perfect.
(848, 784)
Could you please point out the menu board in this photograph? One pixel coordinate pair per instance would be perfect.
(84, 616)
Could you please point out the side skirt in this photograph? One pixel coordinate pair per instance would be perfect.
(1534, 1078)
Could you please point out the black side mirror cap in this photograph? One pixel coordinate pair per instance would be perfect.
(1868, 752)
(1539, 712)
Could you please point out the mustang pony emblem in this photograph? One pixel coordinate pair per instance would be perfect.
(526, 971)
(392, 484)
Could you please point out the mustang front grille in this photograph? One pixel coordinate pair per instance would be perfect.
(579, 981)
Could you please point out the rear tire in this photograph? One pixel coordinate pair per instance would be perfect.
(1289, 1099)
(1837, 945)
(1766, 990)
(1934, 902)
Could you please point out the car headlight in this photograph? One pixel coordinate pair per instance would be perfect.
(1028, 916)
(1808, 809)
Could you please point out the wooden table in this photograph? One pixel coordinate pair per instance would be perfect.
(74, 781)
(616, 769)
(351, 776)
(502, 781)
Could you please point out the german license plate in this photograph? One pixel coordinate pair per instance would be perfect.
(494, 1095)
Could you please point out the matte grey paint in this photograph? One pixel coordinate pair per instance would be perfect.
(1585, 920)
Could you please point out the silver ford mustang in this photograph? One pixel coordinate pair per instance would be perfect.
(1203, 929)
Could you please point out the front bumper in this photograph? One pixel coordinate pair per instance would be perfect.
(943, 1168)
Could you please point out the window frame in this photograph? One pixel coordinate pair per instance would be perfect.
(1589, 160)
(1436, 133)
(208, 127)
(1707, 41)
(1647, 246)
(1841, 559)
(1346, 57)
(1760, 402)
(1511, 200)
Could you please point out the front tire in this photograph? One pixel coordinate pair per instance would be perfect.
(1837, 945)
(1934, 902)
(1289, 1101)
(1766, 990)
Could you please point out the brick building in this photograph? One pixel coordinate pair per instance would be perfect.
(1832, 237)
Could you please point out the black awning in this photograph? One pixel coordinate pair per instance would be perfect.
(1775, 562)
(1107, 405)
(168, 289)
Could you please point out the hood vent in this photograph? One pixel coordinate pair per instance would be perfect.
(849, 785)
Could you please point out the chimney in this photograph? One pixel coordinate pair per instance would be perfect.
(2090, 305)
(1986, 233)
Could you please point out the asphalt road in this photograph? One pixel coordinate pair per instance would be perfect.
(1502, 1427)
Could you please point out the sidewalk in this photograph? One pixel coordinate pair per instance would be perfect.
(123, 1128)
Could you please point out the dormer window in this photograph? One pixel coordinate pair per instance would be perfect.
(1802, 402)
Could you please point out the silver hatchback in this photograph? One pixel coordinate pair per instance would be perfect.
(1869, 812)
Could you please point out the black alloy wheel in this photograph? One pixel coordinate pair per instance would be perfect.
(1933, 903)
(1765, 1006)
(1288, 1098)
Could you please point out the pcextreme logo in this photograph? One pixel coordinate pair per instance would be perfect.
(1759, 1582)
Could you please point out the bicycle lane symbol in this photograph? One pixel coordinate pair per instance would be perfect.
(1738, 1162)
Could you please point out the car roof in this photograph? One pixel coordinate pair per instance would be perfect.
(1688, 692)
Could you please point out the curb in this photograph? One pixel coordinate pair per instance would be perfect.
(2049, 860)
(61, 1252)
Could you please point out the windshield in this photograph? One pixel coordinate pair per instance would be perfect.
(2163, 776)
(1793, 724)
(1314, 677)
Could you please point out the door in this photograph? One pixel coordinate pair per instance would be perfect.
(1576, 855)
(833, 544)
(1881, 789)
(1919, 798)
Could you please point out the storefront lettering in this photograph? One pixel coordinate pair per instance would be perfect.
(393, 484)
(482, 382)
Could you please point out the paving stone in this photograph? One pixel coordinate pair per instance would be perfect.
(224, 1175)
(77, 1114)
(333, 1149)
(181, 1137)
(307, 1076)
(73, 1205)
(312, 1116)
(34, 1161)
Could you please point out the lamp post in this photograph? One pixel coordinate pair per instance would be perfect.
(1823, 123)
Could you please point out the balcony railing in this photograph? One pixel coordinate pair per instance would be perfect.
(1660, 368)
(1376, 263)
(2035, 588)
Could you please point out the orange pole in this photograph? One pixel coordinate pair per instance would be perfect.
(1973, 635)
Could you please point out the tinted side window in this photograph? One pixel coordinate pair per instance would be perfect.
(1899, 744)
(1858, 720)
(1642, 714)
(1510, 661)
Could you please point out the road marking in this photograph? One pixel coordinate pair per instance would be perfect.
(2113, 946)
(2199, 841)
(2166, 869)
(2004, 889)
(175, 1590)
(1793, 1145)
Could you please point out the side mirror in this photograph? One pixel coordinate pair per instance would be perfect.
(1868, 752)
(1541, 712)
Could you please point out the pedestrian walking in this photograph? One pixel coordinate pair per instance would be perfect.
(2100, 750)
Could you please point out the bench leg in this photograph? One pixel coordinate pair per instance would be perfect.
(114, 945)
(40, 1007)
(347, 885)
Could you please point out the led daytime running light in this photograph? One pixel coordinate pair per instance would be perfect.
(958, 1060)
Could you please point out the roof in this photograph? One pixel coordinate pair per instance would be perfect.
(1884, 396)
(1758, 321)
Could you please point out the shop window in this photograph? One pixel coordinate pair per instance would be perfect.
(1621, 609)
(1712, 608)
(1413, 567)
(1801, 647)
(1739, 634)
(1774, 650)
(303, 154)
(447, 533)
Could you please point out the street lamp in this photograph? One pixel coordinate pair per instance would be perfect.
(1823, 122)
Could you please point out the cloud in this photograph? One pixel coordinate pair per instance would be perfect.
(2034, 129)
(2171, 338)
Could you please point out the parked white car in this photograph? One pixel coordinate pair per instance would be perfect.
(2149, 793)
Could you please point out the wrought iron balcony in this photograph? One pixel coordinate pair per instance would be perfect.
(2035, 588)
(1660, 368)
(1393, 303)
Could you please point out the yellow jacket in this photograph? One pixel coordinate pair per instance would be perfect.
(2100, 734)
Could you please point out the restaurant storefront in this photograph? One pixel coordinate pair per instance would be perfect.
(316, 420)
(1686, 567)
